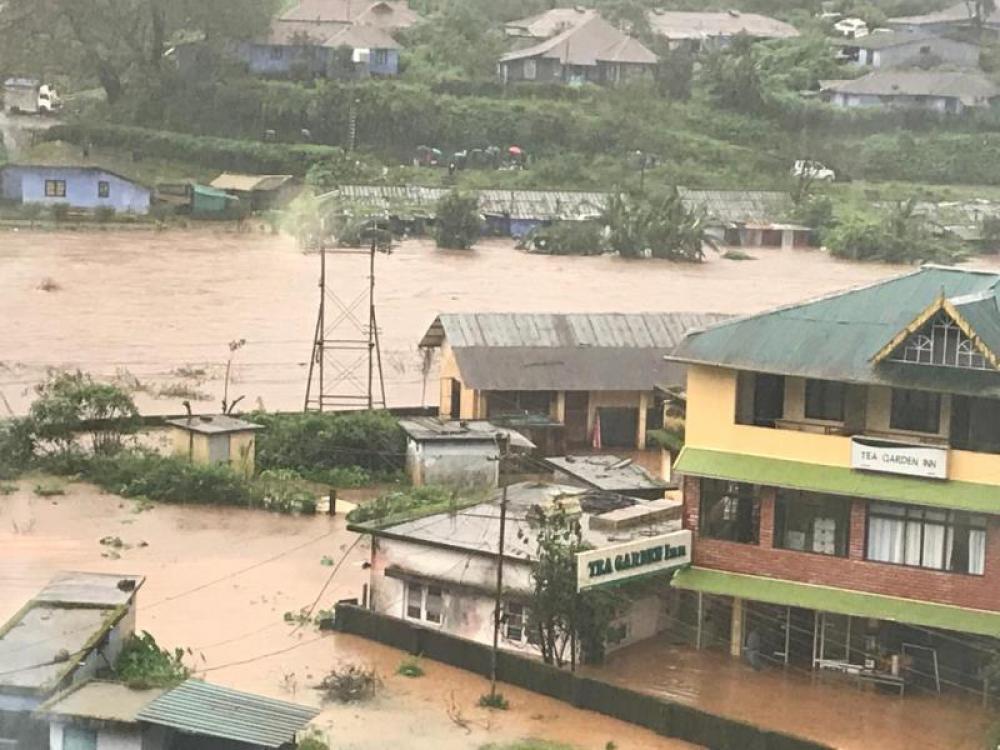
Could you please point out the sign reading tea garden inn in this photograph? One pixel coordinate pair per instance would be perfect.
(887, 456)
(638, 557)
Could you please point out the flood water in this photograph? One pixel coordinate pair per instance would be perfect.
(219, 581)
(159, 308)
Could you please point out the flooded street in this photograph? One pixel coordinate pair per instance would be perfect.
(219, 581)
(158, 309)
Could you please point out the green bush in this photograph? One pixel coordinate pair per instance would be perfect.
(567, 238)
(494, 700)
(17, 446)
(104, 214)
(285, 491)
(350, 447)
(416, 501)
(142, 664)
(60, 211)
(410, 667)
(458, 223)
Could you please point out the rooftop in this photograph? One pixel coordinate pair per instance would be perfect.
(608, 473)
(100, 701)
(386, 14)
(97, 589)
(549, 23)
(561, 351)
(886, 39)
(753, 207)
(250, 182)
(477, 528)
(432, 429)
(213, 424)
(692, 25)
(969, 88)
(844, 336)
(589, 41)
(961, 12)
(197, 707)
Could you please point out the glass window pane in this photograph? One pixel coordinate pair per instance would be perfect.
(977, 552)
(933, 556)
(885, 540)
(434, 604)
(914, 547)
(414, 600)
(78, 738)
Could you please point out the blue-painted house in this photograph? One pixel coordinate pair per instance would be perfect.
(77, 187)
(323, 49)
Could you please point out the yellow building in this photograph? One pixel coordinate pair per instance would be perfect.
(842, 479)
(588, 379)
(216, 439)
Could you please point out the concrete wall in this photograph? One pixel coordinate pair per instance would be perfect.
(711, 424)
(461, 463)
(852, 572)
(27, 185)
(108, 738)
(197, 448)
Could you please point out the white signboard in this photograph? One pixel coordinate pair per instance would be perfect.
(631, 559)
(886, 456)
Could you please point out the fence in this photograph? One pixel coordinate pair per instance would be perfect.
(662, 716)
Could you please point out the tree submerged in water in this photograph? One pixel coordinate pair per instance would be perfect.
(660, 227)
(143, 664)
(458, 224)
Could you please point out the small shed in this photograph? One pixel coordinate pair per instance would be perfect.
(456, 453)
(218, 439)
(209, 203)
(260, 191)
(609, 474)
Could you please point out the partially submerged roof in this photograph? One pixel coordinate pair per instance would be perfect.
(872, 334)
(45, 641)
(98, 700)
(559, 351)
(759, 208)
(433, 429)
(197, 707)
(969, 88)
(248, 183)
(608, 473)
(213, 424)
(477, 528)
(692, 25)
(588, 42)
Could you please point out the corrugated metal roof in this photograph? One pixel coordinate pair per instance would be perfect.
(94, 589)
(213, 424)
(836, 337)
(552, 351)
(756, 207)
(245, 183)
(201, 708)
(432, 428)
(587, 42)
(969, 88)
(696, 25)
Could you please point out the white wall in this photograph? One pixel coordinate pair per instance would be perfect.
(124, 738)
(454, 464)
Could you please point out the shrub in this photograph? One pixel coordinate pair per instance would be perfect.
(104, 214)
(567, 238)
(142, 664)
(458, 223)
(285, 491)
(60, 211)
(349, 684)
(414, 501)
(410, 667)
(50, 489)
(494, 700)
(17, 446)
(352, 447)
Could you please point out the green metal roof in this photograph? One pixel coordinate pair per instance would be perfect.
(838, 601)
(836, 337)
(839, 480)
(200, 708)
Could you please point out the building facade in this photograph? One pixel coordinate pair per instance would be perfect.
(842, 478)
(77, 187)
(899, 49)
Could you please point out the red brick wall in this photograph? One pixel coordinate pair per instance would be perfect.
(853, 572)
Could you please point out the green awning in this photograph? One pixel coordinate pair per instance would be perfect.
(839, 480)
(839, 601)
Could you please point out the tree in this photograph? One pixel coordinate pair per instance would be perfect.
(142, 664)
(118, 41)
(658, 227)
(731, 76)
(72, 403)
(674, 73)
(560, 617)
(458, 223)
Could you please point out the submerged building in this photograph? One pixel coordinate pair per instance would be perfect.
(842, 479)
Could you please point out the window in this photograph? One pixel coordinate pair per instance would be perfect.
(810, 522)
(530, 70)
(825, 400)
(949, 540)
(730, 511)
(925, 49)
(424, 603)
(975, 424)
(55, 188)
(103, 189)
(515, 622)
(380, 57)
(941, 342)
(277, 53)
(760, 398)
(916, 411)
(78, 738)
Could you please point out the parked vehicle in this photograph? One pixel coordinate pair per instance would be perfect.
(28, 96)
(806, 168)
(852, 28)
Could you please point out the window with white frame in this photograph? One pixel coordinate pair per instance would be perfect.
(515, 621)
(530, 70)
(424, 603)
(941, 341)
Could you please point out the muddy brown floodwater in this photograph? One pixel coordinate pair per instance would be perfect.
(159, 308)
(219, 581)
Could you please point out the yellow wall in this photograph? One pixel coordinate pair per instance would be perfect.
(473, 405)
(194, 447)
(711, 424)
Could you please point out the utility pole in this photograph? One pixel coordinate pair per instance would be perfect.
(497, 604)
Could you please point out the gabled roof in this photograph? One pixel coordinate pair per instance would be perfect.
(200, 708)
(743, 207)
(587, 352)
(549, 23)
(839, 337)
(888, 39)
(82, 168)
(386, 14)
(328, 34)
(590, 41)
(969, 88)
(959, 13)
(685, 25)
(245, 183)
